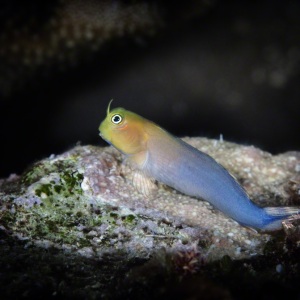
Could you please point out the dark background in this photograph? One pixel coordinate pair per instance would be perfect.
(204, 68)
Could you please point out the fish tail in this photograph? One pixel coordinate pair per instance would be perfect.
(276, 215)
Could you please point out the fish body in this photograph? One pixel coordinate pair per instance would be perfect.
(177, 164)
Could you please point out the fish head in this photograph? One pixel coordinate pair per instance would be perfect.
(124, 130)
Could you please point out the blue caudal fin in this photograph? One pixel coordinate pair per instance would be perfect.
(279, 214)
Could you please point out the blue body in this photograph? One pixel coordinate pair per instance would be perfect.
(186, 169)
(181, 166)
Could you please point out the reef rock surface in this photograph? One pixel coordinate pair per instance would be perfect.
(79, 213)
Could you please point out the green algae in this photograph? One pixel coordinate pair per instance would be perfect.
(64, 214)
(69, 184)
(57, 185)
(47, 166)
(67, 218)
(34, 173)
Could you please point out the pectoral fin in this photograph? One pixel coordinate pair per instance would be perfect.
(144, 184)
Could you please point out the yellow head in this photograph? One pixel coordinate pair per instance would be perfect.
(124, 130)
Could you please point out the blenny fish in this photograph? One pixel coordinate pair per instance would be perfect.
(169, 160)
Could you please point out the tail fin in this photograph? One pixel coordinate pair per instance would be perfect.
(279, 214)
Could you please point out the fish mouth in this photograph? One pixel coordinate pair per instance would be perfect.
(102, 136)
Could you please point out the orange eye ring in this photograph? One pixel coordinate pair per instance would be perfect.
(123, 127)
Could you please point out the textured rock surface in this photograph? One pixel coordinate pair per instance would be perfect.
(81, 207)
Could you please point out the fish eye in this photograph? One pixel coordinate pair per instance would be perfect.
(116, 119)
